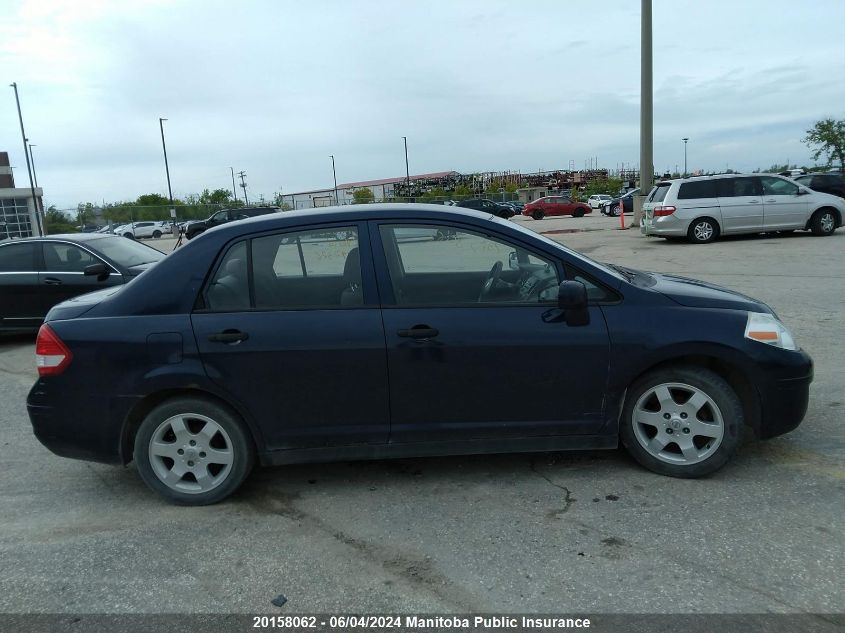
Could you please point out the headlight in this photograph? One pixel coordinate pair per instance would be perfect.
(767, 329)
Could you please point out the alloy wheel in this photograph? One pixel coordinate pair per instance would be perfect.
(827, 222)
(703, 231)
(678, 423)
(191, 453)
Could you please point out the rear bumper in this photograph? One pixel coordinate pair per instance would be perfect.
(664, 226)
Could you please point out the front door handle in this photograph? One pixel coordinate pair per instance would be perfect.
(232, 337)
(753, 202)
(419, 332)
(52, 281)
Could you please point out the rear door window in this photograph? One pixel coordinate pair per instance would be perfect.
(739, 187)
(18, 258)
(698, 189)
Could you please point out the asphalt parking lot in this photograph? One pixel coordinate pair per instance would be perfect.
(546, 533)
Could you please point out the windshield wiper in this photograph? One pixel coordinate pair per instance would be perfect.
(626, 272)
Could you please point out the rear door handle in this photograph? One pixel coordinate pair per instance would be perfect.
(770, 200)
(753, 202)
(419, 332)
(52, 281)
(231, 337)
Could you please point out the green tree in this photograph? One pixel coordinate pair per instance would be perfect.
(827, 137)
(362, 196)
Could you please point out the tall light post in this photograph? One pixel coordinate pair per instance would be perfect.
(167, 169)
(685, 139)
(234, 190)
(646, 112)
(32, 158)
(334, 174)
(38, 212)
(407, 171)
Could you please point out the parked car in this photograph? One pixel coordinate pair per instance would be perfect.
(264, 343)
(626, 200)
(555, 205)
(791, 173)
(595, 201)
(138, 230)
(833, 184)
(704, 208)
(192, 229)
(481, 204)
(37, 273)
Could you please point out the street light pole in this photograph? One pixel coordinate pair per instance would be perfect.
(38, 212)
(166, 166)
(234, 190)
(32, 158)
(334, 174)
(685, 139)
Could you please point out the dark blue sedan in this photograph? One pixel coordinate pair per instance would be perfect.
(353, 334)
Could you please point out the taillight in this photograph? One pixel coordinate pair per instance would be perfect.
(659, 212)
(51, 355)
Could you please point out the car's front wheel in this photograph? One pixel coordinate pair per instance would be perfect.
(193, 451)
(682, 421)
(616, 210)
(537, 215)
(579, 212)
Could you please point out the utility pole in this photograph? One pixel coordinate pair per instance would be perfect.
(38, 211)
(167, 171)
(334, 174)
(234, 190)
(646, 113)
(243, 186)
(407, 171)
(32, 158)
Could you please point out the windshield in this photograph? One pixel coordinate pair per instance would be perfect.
(126, 252)
(575, 254)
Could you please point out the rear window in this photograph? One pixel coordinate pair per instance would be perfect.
(658, 194)
(699, 189)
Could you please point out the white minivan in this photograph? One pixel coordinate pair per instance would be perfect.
(703, 208)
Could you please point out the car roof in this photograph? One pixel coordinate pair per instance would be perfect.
(69, 237)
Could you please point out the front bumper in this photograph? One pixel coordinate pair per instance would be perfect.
(784, 396)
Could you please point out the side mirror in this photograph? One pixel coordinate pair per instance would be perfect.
(802, 191)
(101, 271)
(572, 300)
(513, 261)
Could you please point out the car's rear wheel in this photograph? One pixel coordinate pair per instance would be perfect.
(682, 421)
(538, 214)
(156, 234)
(193, 452)
(823, 222)
(703, 230)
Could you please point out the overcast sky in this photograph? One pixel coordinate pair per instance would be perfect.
(274, 87)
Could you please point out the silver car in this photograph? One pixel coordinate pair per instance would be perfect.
(703, 208)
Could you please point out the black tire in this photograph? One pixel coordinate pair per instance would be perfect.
(616, 211)
(823, 222)
(713, 386)
(703, 231)
(579, 212)
(129, 235)
(156, 234)
(538, 214)
(235, 436)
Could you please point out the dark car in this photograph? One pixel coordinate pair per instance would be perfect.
(38, 273)
(613, 208)
(488, 206)
(826, 183)
(192, 229)
(269, 342)
(554, 206)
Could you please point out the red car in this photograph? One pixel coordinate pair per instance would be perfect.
(555, 205)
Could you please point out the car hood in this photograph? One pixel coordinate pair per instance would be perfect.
(700, 294)
(77, 306)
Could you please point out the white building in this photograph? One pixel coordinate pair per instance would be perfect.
(18, 213)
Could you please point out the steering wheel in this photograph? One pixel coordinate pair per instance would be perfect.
(492, 278)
